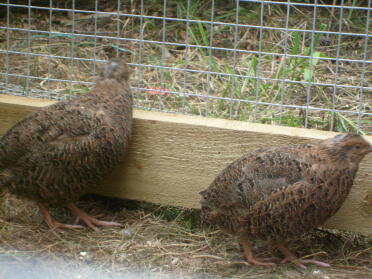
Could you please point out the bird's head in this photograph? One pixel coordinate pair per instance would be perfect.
(351, 147)
(116, 69)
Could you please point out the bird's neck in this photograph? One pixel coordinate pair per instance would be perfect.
(340, 158)
(112, 90)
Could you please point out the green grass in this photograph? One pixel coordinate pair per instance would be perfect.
(195, 33)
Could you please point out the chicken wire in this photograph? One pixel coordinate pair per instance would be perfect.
(291, 63)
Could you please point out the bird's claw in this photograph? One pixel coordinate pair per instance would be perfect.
(260, 263)
(301, 263)
(58, 226)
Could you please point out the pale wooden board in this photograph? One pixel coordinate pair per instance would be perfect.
(173, 157)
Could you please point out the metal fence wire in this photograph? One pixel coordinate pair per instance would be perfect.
(291, 63)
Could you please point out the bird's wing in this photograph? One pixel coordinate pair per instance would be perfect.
(254, 177)
(291, 210)
(292, 199)
(59, 129)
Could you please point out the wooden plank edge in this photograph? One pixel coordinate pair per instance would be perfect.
(194, 120)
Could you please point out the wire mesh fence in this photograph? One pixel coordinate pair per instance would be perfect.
(290, 63)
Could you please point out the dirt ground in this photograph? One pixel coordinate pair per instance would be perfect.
(157, 242)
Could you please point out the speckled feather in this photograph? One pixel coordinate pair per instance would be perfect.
(56, 154)
(281, 192)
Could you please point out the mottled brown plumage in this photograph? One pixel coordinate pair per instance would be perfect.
(282, 192)
(58, 153)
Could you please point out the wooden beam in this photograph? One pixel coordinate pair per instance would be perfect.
(173, 157)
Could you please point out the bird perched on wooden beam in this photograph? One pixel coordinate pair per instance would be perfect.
(58, 153)
(282, 192)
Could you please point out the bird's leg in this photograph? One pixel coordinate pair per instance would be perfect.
(249, 255)
(52, 222)
(87, 219)
(289, 257)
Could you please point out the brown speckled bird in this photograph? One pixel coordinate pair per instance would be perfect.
(282, 192)
(58, 153)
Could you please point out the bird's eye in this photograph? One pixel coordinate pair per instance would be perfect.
(357, 146)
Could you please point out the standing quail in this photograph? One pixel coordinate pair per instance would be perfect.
(282, 192)
(58, 153)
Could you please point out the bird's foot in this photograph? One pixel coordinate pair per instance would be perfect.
(58, 226)
(55, 225)
(249, 254)
(258, 262)
(301, 262)
(289, 257)
(89, 220)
